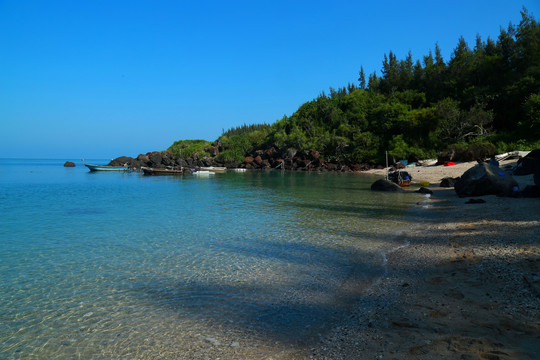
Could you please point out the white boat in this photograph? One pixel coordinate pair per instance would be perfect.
(428, 162)
(203, 172)
(106, 168)
(511, 155)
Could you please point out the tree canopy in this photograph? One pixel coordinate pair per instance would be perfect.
(487, 93)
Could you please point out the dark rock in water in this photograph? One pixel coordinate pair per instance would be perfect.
(485, 179)
(385, 185)
(475, 201)
(531, 192)
(424, 190)
(448, 182)
(69, 164)
(530, 164)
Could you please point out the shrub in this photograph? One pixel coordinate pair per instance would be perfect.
(186, 148)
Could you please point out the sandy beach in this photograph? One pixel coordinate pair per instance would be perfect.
(467, 286)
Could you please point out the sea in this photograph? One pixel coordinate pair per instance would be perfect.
(119, 265)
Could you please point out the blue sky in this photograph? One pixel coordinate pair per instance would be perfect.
(101, 79)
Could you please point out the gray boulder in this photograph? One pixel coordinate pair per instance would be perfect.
(385, 185)
(485, 179)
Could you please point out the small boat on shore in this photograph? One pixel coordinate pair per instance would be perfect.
(402, 178)
(427, 162)
(106, 168)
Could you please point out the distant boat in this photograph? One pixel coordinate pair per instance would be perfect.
(203, 172)
(213, 168)
(106, 168)
(154, 171)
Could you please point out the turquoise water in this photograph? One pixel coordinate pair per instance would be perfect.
(121, 265)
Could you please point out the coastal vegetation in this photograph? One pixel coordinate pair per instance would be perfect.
(484, 97)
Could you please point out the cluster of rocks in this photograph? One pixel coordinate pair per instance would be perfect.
(290, 159)
(271, 158)
(490, 179)
(487, 178)
(163, 160)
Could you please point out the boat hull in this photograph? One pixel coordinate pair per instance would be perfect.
(213, 168)
(106, 168)
(154, 171)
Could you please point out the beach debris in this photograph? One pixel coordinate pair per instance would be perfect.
(385, 185)
(485, 179)
(448, 181)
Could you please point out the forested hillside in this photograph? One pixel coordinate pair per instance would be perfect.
(487, 93)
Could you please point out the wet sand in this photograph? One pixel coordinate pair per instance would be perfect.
(467, 287)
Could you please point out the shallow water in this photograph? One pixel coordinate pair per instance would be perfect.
(121, 265)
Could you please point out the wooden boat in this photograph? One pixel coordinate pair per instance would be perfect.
(213, 168)
(154, 171)
(106, 168)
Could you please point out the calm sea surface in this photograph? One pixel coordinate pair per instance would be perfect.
(121, 265)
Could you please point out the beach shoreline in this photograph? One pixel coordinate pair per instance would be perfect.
(467, 286)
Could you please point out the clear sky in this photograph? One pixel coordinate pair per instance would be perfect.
(100, 79)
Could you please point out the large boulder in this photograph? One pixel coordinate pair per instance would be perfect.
(485, 179)
(530, 164)
(385, 185)
(155, 159)
(121, 161)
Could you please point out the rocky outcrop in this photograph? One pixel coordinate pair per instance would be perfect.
(385, 185)
(485, 179)
(69, 164)
(271, 158)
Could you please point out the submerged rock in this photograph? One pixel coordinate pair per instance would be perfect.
(385, 185)
(449, 182)
(424, 190)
